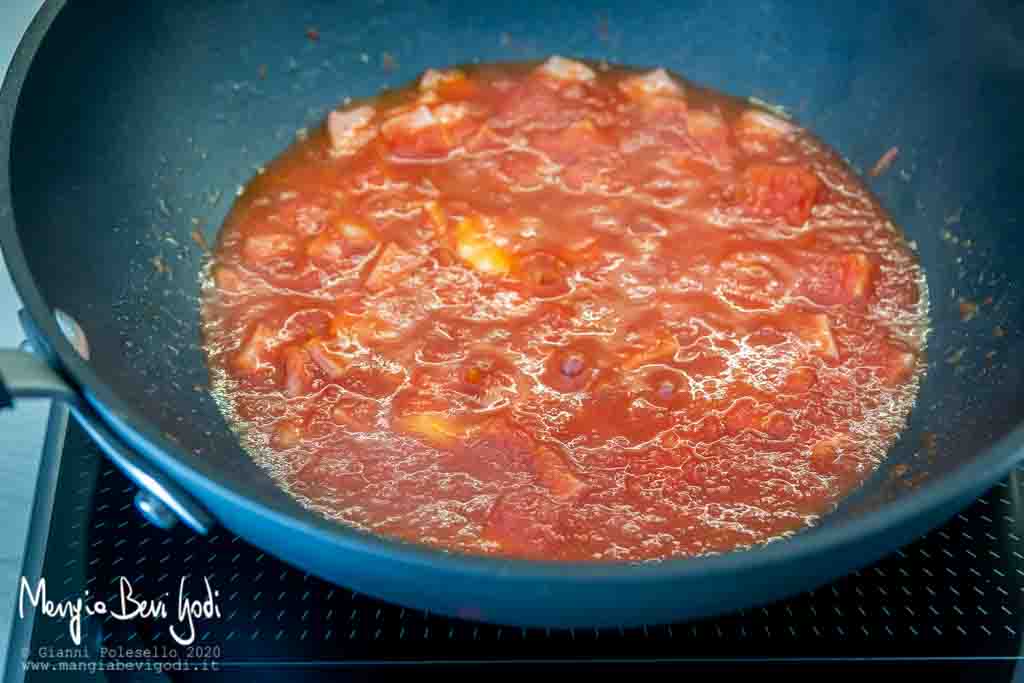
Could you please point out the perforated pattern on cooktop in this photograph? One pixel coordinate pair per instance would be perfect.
(957, 594)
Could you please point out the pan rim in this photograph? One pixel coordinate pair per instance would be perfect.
(984, 470)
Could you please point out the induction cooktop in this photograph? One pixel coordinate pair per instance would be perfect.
(950, 606)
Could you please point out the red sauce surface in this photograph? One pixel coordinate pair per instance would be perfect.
(565, 312)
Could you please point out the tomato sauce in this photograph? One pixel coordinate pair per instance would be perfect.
(564, 311)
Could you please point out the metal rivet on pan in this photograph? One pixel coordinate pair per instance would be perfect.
(154, 511)
(72, 332)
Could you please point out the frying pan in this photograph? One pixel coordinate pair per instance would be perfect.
(128, 125)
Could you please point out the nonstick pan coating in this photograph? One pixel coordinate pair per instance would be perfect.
(132, 125)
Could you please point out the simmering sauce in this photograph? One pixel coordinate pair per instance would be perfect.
(562, 311)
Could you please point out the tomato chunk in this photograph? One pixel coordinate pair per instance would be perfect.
(800, 380)
(779, 191)
(349, 131)
(254, 353)
(437, 217)
(287, 434)
(777, 425)
(556, 474)
(668, 114)
(485, 140)
(339, 242)
(537, 106)
(227, 280)
(525, 522)
(449, 83)
(258, 250)
(898, 364)
(566, 70)
(651, 84)
(355, 415)
(816, 331)
(297, 378)
(836, 455)
(429, 133)
(362, 328)
(372, 378)
(838, 278)
(330, 361)
(436, 429)
(544, 274)
(417, 134)
(476, 248)
(581, 139)
(711, 133)
(655, 346)
(758, 132)
(741, 415)
(524, 169)
(392, 263)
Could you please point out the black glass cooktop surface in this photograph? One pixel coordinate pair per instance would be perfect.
(950, 606)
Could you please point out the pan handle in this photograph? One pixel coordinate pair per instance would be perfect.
(160, 500)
